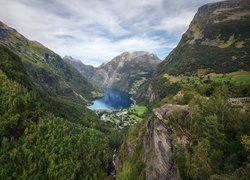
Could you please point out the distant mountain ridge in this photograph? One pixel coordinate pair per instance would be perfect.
(86, 70)
(126, 71)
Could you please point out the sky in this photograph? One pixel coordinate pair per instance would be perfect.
(95, 31)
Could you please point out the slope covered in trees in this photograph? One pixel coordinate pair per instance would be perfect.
(46, 69)
(35, 141)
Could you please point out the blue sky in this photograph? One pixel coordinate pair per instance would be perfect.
(95, 31)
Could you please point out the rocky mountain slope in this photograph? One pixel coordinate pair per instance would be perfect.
(126, 71)
(86, 70)
(159, 141)
(217, 40)
(49, 72)
(192, 134)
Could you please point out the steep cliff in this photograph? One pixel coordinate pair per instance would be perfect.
(158, 145)
(148, 152)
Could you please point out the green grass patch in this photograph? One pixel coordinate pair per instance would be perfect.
(237, 77)
(139, 110)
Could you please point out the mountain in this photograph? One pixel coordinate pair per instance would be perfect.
(46, 132)
(48, 71)
(217, 40)
(45, 137)
(126, 71)
(86, 70)
(194, 131)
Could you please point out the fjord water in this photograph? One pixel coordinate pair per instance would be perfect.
(113, 99)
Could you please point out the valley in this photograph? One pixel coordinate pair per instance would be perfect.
(134, 116)
(122, 118)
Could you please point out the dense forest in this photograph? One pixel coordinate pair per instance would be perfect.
(47, 137)
(216, 134)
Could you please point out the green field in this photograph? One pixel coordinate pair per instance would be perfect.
(138, 110)
(136, 113)
(235, 77)
(238, 77)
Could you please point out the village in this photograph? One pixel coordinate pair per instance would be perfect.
(123, 117)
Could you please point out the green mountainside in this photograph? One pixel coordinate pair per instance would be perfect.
(42, 135)
(218, 40)
(194, 121)
(48, 71)
(216, 44)
(86, 70)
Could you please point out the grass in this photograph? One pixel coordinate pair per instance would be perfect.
(136, 113)
(138, 110)
(240, 44)
(237, 77)
(135, 117)
(229, 42)
(173, 79)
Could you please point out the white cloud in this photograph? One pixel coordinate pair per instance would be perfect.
(177, 24)
(97, 30)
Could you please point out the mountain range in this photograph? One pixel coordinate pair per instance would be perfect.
(126, 71)
(195, 125)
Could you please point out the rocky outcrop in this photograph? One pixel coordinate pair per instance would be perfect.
(86, 70)
(158, 144)
(150, 93)
(126, 71)
(214, 14)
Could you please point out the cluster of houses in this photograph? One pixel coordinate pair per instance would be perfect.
(120, 118)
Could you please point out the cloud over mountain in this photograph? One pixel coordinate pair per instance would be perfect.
(97, 30)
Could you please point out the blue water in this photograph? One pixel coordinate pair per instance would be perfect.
(113, 99)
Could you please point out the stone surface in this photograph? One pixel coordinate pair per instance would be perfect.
(158, 145)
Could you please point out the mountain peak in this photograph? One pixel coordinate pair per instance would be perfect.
(222, 11)
(136, 56)
(70, 58)
(127, 71)
(86, 70)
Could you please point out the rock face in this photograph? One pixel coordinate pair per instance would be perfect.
(218, 40)
(126, 71)
(158, 144)
(86, 70)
